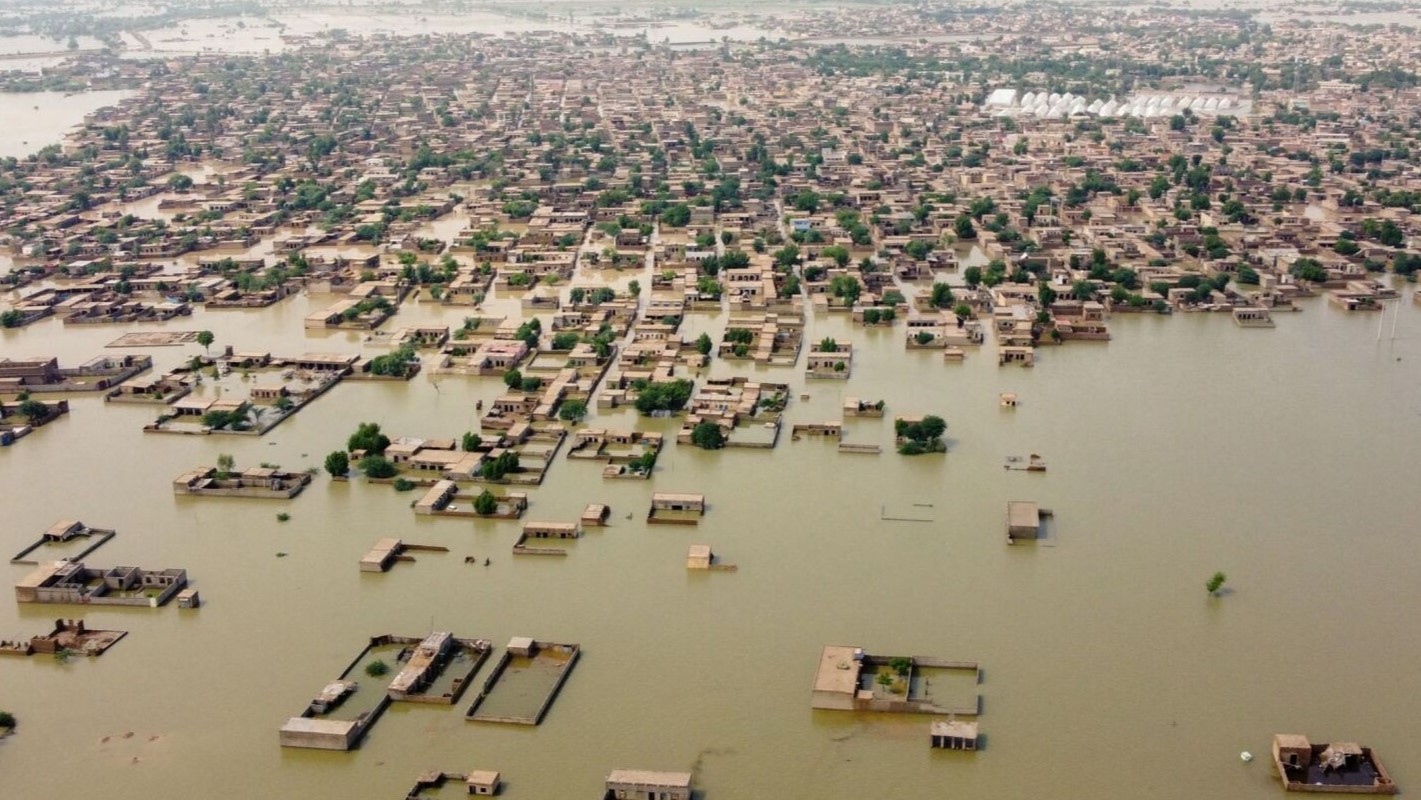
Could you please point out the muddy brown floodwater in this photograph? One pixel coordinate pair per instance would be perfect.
(1283, 457)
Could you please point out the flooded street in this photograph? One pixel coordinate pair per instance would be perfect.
(1185, 446)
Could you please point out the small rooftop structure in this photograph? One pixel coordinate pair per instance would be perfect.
(322, 734)
(381, 555)
(1023, 520)
(483, 781)
(1025, 356)
(953, 735)
(699, 557)
(1253, 317)
(595, 515)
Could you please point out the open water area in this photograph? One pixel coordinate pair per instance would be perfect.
(34, 120)
(1283, 457)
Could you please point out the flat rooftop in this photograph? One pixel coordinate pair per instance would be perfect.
(334, 727)
(40, 575)
(838, 670)
(643, 777)
(963, 730)
(1023, 514)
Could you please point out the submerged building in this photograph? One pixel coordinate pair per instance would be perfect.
(1339, 767)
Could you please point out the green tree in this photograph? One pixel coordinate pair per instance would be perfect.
(1309, 270)
(664, 396)
(205, 338)
(572, 410)
(367, 437)
(941, 296)
(495, 469)
(225, 464)
(470, 441)
(33, 410)
(923, 436)
(676, 216)
(708, 436)
(1216, 583)
(376, 668)
(964, 228)
(377, 466)
(512, 378)
(485, 504)
(901, 665)
(973, 277)
(338, 463)
(839, 253)
(397, 364)
(845, 287)
(704, 345)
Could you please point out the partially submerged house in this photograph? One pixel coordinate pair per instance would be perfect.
(538, 669)
(849, 679)
(953, 735)
(829, 359)
(389, 550)
(1024, 520)
(476, 782)
(670, 508)
(72, 582)
(68, 636)
(436, 669)
(265, 483)
(640, 784)
(1339, 767)
(67, 532)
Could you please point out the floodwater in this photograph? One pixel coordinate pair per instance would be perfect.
(1404, 18)
(35, 120)
(14, 45)
(249, 35)
(1284, 457)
